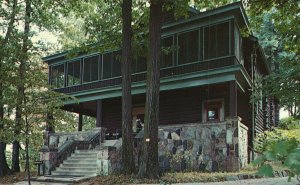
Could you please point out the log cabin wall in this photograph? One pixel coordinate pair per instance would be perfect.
(176, 106)
(244, 108)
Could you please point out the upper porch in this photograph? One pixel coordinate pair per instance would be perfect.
(206, 48)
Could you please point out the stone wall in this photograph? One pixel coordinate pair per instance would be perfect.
(207, 147)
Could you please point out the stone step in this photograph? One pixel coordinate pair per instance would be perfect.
(62, 169)
(70, 168)
(84, 154)
(80, 158)
(82, 162)
(72, 173)
(71, 160)
(83, 165)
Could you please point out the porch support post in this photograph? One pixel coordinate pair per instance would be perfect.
(99, 113)
(80, 122)
(233, 99)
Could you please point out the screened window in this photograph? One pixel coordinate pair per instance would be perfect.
(188, 47)
(107, 58)
(237, 45)
(216, 41)
(58, 76)
(73, 73)
(112, 64)
(116, 64)
(139, 64)
(167, 51)
(91, 68)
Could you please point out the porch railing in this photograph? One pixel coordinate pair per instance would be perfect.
(165, 72)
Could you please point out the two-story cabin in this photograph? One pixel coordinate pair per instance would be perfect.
(207, 78)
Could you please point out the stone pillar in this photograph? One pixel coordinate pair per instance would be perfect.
(49, 128)
(99, 113)
(79, 122)
(232, 99)
(46, 154)
(47, 157)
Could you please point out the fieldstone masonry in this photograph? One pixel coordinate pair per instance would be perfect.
(208, 147)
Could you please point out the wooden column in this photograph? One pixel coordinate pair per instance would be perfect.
(99, 113)
(232, 99)
(79, 122)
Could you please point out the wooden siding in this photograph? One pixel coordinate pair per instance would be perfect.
(112, 114)
(176, 107)
(244, 108)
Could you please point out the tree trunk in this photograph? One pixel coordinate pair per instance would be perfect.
(4, 169)
(149, 166)
(21, 88)
(128, 166)
(27, 165)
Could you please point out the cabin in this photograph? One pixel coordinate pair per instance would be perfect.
(208, 75)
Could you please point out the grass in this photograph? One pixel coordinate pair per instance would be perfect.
(166, 178)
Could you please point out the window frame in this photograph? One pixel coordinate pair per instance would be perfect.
(80, 72)
(99, 71)
(213, 103)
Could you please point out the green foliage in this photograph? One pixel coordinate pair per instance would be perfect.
(277, 29)
(289, 123)
(279, 147)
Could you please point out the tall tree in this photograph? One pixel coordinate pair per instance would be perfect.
(127, 142)
(149, 166)
(282, 43)
(4, 41)
(21, 87)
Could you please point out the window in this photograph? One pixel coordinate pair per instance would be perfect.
(188, 47)
(111, 64)
(139, 64)
(107, 58)
(238, 44)
(73, 73)
(57, 76)
(216, 41)
(116, 64)
(213, 111)
(92, 69)
(167, 52)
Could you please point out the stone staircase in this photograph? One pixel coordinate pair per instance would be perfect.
(84, 164)
(80, 163)
(87, 163)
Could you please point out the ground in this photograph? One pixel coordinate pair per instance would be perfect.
(179, 178)
(264, 181)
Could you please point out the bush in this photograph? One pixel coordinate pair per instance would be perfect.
(280, 146)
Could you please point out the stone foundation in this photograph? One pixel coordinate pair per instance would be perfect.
(209, 147)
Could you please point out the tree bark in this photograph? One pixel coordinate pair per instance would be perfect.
(149, 166)
(128, 166)
(21, 88)
(4, 169)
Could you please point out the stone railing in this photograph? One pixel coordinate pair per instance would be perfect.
(62, 145)
(208, 147)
